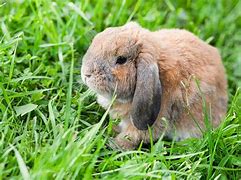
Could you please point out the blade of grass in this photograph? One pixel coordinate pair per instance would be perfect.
(22, 166)
(69, 91)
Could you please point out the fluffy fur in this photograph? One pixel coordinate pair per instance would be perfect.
(157, 85)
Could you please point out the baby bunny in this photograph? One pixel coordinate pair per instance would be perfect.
(161, 80)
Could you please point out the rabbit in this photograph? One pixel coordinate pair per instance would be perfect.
(160, 78)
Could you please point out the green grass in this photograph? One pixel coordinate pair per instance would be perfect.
(50, 124)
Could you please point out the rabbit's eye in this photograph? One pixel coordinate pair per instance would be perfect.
(121, 60)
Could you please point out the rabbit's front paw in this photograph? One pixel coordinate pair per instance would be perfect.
(125, 142)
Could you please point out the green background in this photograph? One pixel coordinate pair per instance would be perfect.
(50, 124)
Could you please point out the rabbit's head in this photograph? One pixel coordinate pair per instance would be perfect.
(119, 60)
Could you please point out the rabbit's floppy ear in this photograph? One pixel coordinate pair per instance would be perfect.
(147, 97)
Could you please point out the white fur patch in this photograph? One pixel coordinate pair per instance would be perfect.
(104, 102)
(181, 135)
(124, 124)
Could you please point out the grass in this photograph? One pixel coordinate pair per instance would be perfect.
(50, 124)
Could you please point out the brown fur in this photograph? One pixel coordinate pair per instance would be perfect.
(182, 59)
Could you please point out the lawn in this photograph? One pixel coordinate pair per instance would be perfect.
(50, 124)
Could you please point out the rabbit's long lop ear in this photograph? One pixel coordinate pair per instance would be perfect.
(147, 97)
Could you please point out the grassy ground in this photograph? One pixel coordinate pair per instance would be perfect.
(50, 124)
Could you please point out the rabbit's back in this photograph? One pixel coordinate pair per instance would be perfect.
(187, 48)
(185, 60)
(187, 55)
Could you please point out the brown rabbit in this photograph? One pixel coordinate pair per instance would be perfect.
(154, 75)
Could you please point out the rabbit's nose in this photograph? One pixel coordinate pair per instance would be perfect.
(87, 75)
